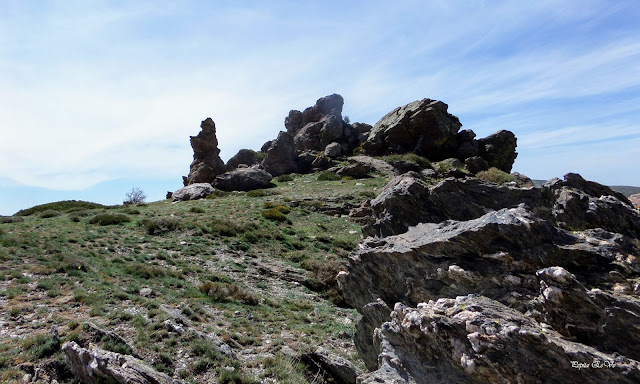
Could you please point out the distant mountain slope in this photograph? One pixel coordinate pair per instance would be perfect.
(624, 189)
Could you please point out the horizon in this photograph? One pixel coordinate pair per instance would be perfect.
(101, 98)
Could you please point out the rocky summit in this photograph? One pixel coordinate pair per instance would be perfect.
(403, 252)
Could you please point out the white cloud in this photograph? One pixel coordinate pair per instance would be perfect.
(94, 92)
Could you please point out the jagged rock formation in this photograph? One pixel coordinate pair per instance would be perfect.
(426, 128)
(207, 163)
(95, 365)
(321, 125)
(473, 339)
(554, 270)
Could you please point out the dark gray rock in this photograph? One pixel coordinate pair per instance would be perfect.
(499, 150)
(243, 179)
(353, 169)
(473, 339)
(476, 164)
(244, 156)
(423, 127)
(333, 150)
(523, 181)
(95, 365)
(378, 165)
(281, 156)
(406, 201)
(193, 192)
(339, 369)
(207, 163)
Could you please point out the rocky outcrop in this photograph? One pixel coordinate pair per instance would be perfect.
(243, 179)
(473, 339)
(95, 365)
(207, 163)
(244, 156)
(318, 126)
(281, 155)
(423, 127)
(426, 128)
(635, 200)
(559, 262)
(193, 192)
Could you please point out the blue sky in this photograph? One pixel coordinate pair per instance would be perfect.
(97, 97)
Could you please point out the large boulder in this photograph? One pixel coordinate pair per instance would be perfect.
(94, 365)
(207, 163)
(423, 127)
(499, 150)
(193, 192)
(243, 179)
(244, 156)
(281, 156)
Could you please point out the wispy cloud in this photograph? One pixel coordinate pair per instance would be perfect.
(95, 91)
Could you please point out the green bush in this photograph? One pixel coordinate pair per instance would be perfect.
(196, 210)
(284, 178)
(257, 193)
(274, 214)
(495, 175)
(49, 213)
(110, 219)
(224, 292)
(60, 206)
(160, 225)
(10, 219)
(217, 193)
(409, 157)
(328, 176)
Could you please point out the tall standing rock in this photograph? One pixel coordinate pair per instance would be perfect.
(423, 127)
(207, 163)
(281, 155)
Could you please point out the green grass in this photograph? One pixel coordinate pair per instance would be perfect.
(91, 271)
(110, 219)
(495, 175)
(61, 206)
(408, 157)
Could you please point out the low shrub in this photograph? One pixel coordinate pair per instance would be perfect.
(196, 210)
(323, 277)
(223, 292)
(11, 219)
(110, 219)
(328, 176)
(495, 175)
(217, 193)
(409, 157)
(257, 193)
(160, 225)
(284, 178)
(49, 213)
(274, 214)
(227, 228)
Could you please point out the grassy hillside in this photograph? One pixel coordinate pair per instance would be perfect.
(254, 270)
